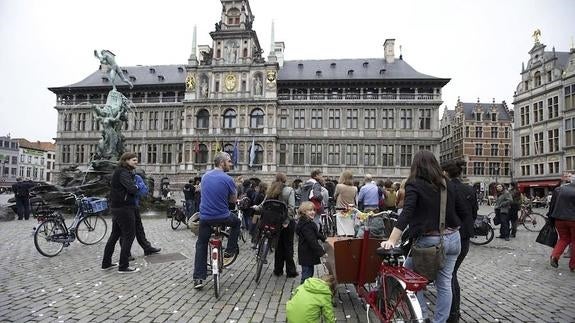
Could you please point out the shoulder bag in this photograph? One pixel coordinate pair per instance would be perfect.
(427, 261)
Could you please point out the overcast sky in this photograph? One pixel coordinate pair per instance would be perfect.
(478, 44)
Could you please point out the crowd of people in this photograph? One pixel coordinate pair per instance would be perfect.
(416, 199)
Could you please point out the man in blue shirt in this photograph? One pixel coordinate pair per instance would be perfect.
(218, 190)
(369, 195)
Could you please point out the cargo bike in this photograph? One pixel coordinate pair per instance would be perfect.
(380, 280)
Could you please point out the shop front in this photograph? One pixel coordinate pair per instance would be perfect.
(539, 189)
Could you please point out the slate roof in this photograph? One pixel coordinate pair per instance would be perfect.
(172, 74)
(338, 69)
(562, 58)
(502, 111)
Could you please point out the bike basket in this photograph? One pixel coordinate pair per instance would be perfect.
(94, 204)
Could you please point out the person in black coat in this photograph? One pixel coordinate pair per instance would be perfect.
(466, 195)
(123, 208)
(309, 250)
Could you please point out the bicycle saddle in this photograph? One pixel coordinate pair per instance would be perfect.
(397, 251)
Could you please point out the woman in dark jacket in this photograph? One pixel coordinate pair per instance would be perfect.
(421, 212)
(284, 252)
(466, 195)
(123, 207)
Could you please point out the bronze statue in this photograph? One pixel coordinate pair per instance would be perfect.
(108, 59)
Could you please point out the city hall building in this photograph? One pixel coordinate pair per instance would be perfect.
(364, 115)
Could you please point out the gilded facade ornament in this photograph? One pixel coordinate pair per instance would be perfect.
(191, 82)
(230, 82)
(271, 76)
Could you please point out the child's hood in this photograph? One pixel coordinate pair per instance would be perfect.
(316, 286)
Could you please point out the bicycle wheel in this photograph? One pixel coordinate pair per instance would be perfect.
(175, 222)
(44, 235)
(534, 221)
(263, 249)
(480, 240)
(92, 229)
(215, 266)
(397, 304)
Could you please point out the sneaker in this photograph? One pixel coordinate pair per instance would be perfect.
(198, 284)
(128, 270)
(110, 266)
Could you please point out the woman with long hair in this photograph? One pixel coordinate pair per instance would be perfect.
(345, 195)
(466, 195)
(421, 211)
(278, 190)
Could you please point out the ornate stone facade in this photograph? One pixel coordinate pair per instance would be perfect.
(366, 115)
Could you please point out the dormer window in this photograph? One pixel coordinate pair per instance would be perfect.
(152, 70)
(493, 116)
(233, 16)
(180, 69)
(381, 71)
(105, 79)
(318, 73)
(161, 78)
(350, 73)
(132, 79)
(332, 65)
(365, 64)
(300, 66)
(125, 71)
(477, 116)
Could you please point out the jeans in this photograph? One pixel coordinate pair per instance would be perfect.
(204, 234)
(455, 283)
(123, 229)
(306, 272)
(190, 208)
(23, 208)
(452, 247)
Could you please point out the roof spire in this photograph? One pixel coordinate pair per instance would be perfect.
(272, 49)
(193, 60)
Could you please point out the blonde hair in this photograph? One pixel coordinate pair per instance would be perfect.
(305, 206)
(346, 178)
(330, 280)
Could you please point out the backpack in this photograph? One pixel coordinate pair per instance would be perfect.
(390, 197)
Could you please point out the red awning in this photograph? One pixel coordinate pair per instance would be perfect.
(550, 183)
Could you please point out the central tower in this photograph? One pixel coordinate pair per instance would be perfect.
(231, 96)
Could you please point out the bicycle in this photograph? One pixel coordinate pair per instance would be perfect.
(532, 221)
(178, 216)
(89, 226)
(273, 213)
(383, 284)
(217, 261)
(328, 226)
(483, 232)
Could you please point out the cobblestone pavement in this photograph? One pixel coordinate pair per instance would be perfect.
(502, 281)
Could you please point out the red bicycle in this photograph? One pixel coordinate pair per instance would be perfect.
(381, 281)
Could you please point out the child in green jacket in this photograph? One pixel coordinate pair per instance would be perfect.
(311, 300)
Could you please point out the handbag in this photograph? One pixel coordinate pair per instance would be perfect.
(548, 235)
(428, 261)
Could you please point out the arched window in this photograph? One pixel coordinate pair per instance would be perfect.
(202, 154)
(537, 77)
(230, 119)
(203, 119)
(233, 16)
(257, 118)
(258, 157)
